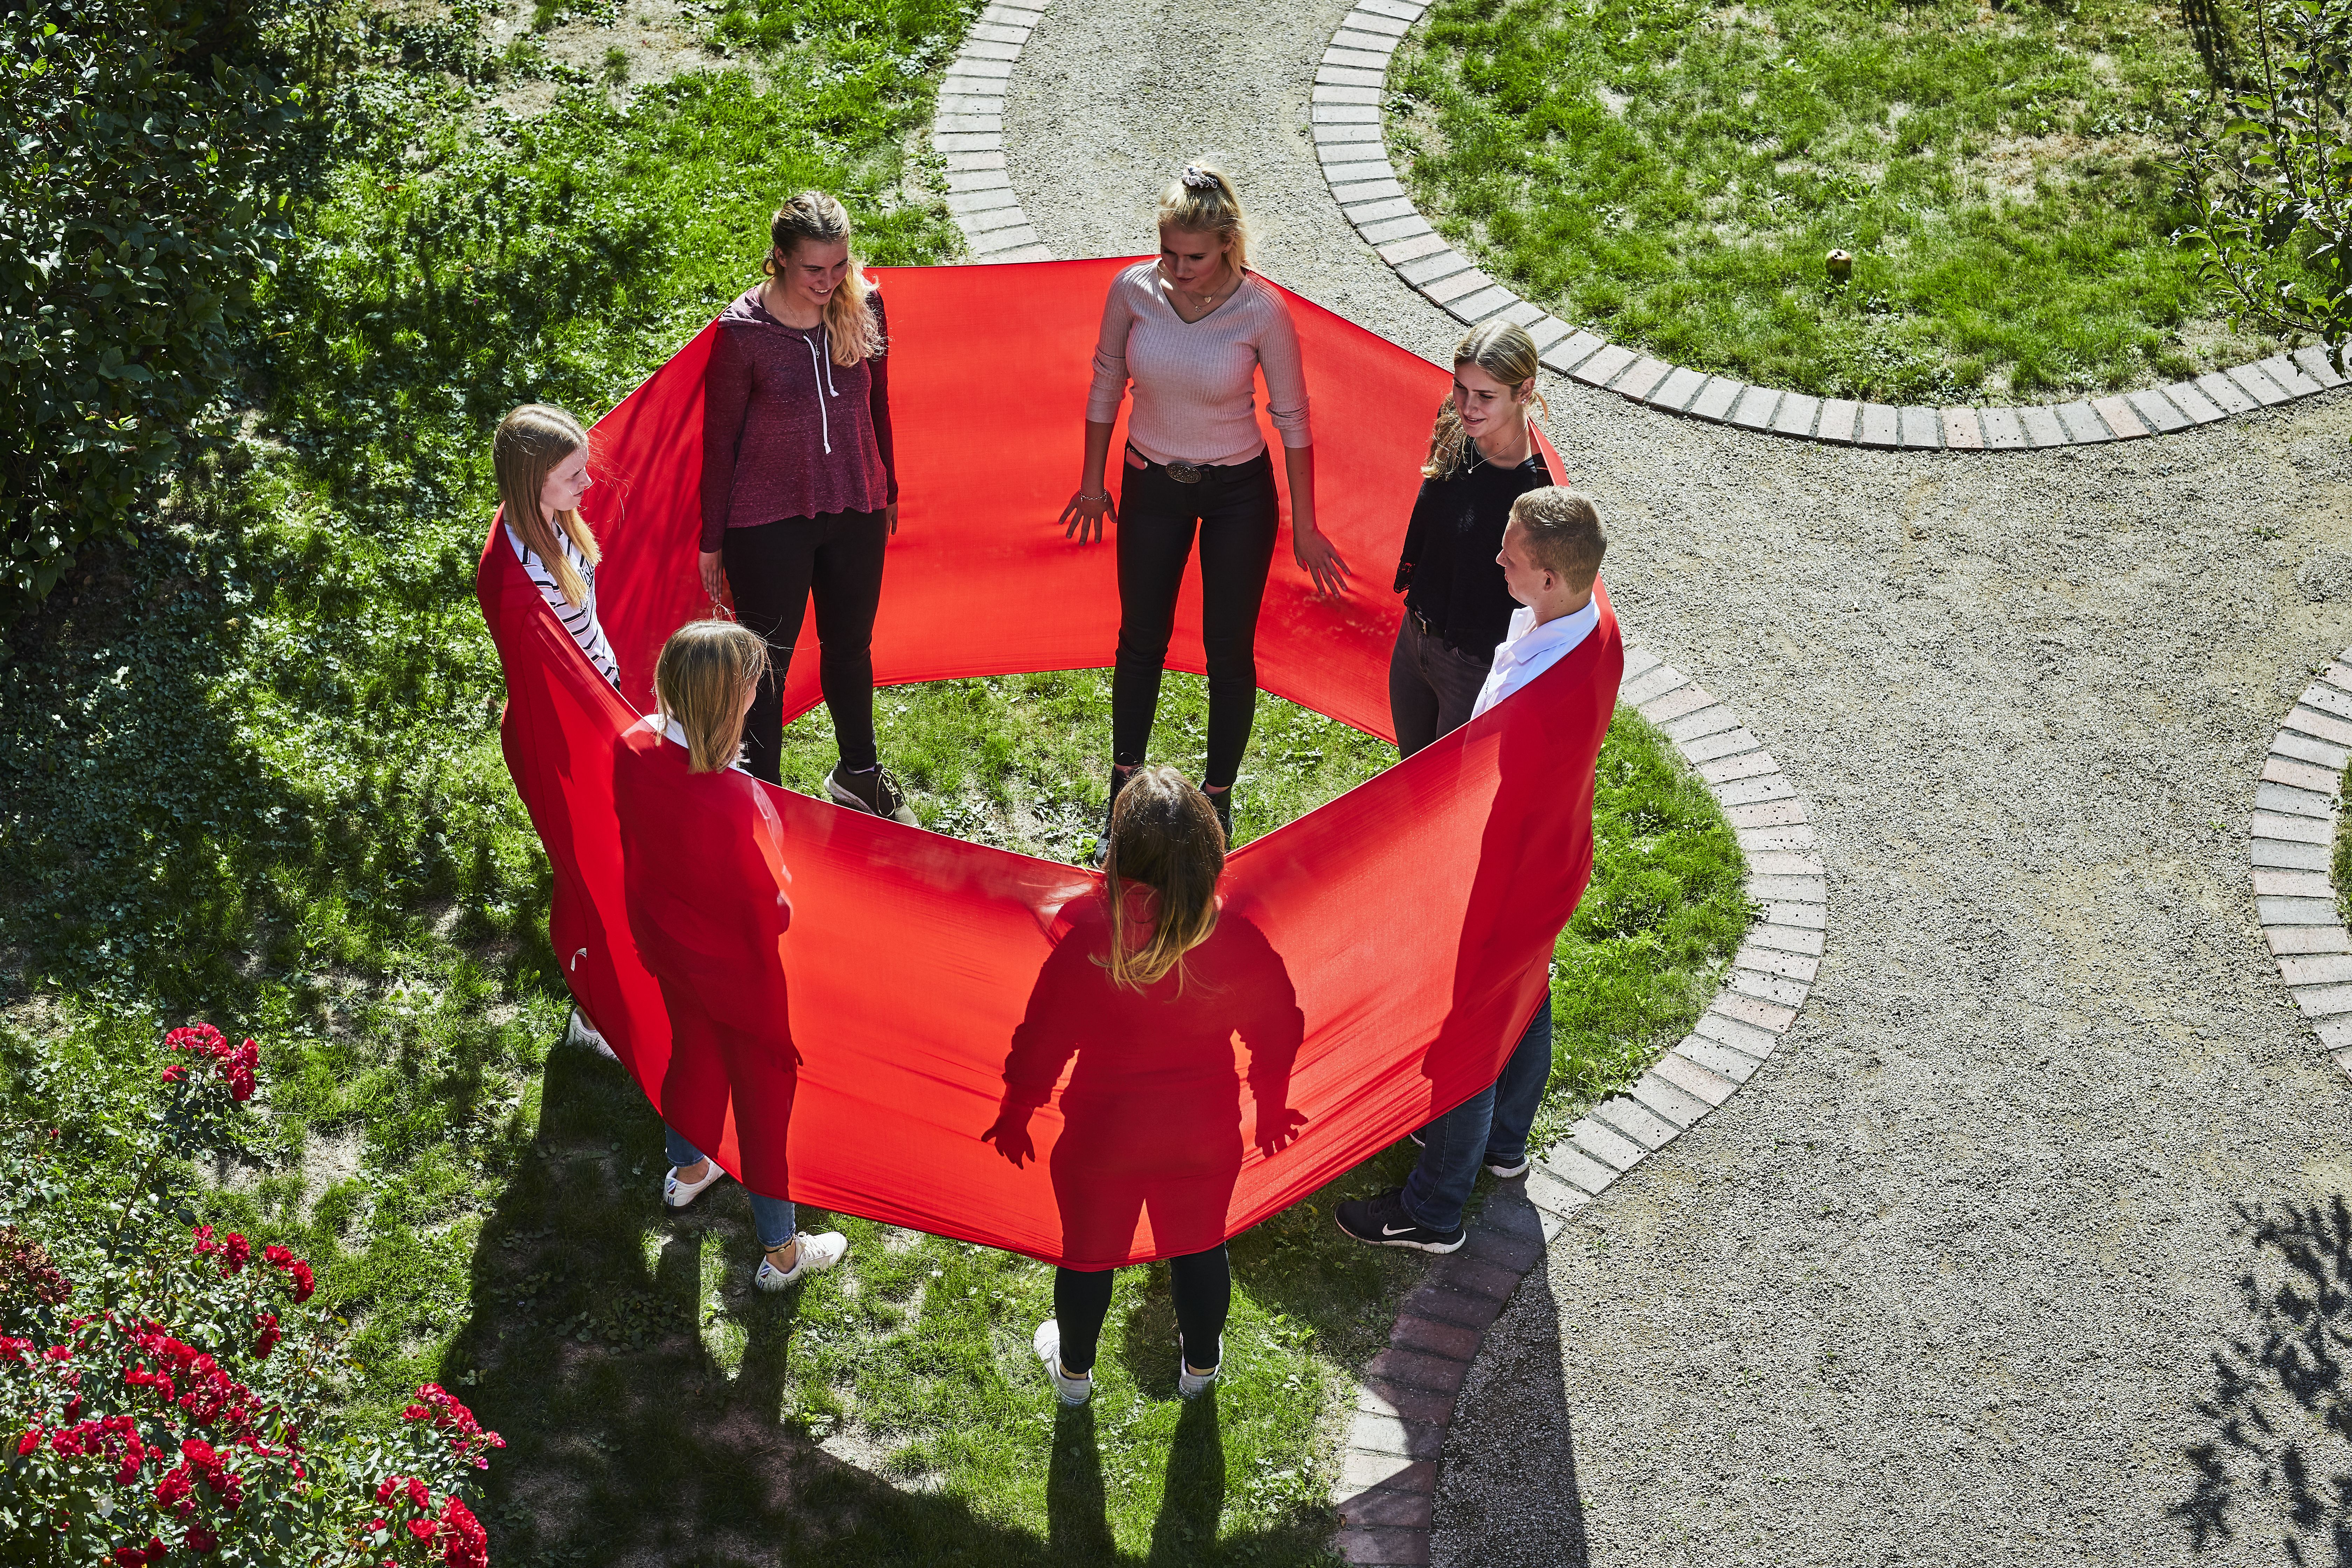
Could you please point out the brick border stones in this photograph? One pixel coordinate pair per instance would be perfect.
(1349, 84)
(2293, 841)
(1388, 1469)
(968, 129)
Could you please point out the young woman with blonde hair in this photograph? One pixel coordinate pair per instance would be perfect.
(541, 456)
(1481, 457)
(800, 491)
(1190, 331)
(703, 868)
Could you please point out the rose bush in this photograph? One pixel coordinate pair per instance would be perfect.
(178, 1401)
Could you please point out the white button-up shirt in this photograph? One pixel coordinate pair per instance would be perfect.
(1528, 650)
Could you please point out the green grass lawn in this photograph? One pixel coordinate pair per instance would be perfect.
(249, 771)
(1672, 175)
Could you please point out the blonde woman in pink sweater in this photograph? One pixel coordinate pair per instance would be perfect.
(1190, 331)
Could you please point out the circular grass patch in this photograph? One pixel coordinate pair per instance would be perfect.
(1672, 174)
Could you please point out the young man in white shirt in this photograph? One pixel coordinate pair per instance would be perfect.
(1551, 557)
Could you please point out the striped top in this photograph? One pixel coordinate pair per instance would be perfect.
(580, 620)
(1195, 382)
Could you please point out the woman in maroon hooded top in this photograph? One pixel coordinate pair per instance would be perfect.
(799, 492)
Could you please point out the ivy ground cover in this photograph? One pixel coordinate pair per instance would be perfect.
(1673, 173)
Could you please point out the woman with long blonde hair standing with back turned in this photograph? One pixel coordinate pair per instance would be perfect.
(1190, 331)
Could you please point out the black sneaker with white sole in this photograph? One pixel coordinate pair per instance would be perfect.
(870, 790)
(1383, 1222)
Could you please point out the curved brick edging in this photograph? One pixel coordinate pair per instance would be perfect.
(968, 129)
(2293, 841)
(1387, 1489)
(1349, 85)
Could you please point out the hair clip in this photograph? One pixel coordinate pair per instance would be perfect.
(1196, 178)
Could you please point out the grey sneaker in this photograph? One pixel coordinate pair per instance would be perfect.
(1189, 1382)
(873, 790)
(1047, 1342)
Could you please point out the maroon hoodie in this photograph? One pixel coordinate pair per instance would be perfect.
(785, 431)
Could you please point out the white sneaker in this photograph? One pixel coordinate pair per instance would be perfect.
(1047, 1342)
(817, 1254)
(1189, 1382)
(580, 1032)
(677, 1194)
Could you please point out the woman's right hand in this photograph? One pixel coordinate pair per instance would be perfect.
(1082, 519)
(714, 577)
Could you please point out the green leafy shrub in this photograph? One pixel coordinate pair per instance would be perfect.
(135, 213)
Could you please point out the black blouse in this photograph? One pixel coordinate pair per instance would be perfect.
(1447, 574)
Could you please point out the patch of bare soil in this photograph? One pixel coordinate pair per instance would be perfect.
(628, 46)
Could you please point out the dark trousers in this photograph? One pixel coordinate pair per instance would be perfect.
(771, 571)
(1201, 1282)
(1432, 687)
(1237, 513)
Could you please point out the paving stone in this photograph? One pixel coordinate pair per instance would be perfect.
(2335, 1034)
(999, 67)
(2082, 423)
(2274, 881)
(1715, 1025)
(2317, 969)
(997, 32)
(2302, 775)
(2312, 722)
(1329, 74)
(1797, 967)
(1796, 414)
(1320, 95)
(1487, 1245)
(996, 242)
(1764, 786)
(1962, 431)
(1444, 1303)
(1388, 1397)
(1372, 22)
(2302, 829)
(959, 142)
(1645, 378)
(1772, 1017)
(1721, 1059)
(1371, 186)
(1770, 987)
(971, 124)
(1653, 683)
(1357, 41)
(1802, 940)
(1347, 114)
(1446, 263)
(1676, 704)
(1666, 1100)
(1723, 744)
(1385, 1507)
(1921, 431)
(1638, 662)
(1755, 408)
(2118, 416)
(1455, 285)
(1715, 399)
(1346, 161)
(1840, 418)
(1547, 331)
(2315, 362)
(1579, 1170)
(2232, 397)
(2323, 1001)
(1746, 766)
(2310, 749)
(1038, 252)
(978, 48)
(1407, 249)
(1386, 1434)
(1439, 1374)
(1785, 863)
(2290, 802)
(962, 203)
(1705, 722)
(2192, 401)
(961, 181)
(1606, 1144)
(1882, 426)
(1551, 1195)
(2295, 940)
(1388, 230)
(2327, 700)
(2282, 370)
(1766, 814)
(1636, 1121)
(964, 105)
(1605, 366)
(1675, 390)
(2294, 911)
(2250, 380)
(1688, 1076)
(2156, 411)
(959, 163)
(2284, 852)
(1403, 10)
(2339, 675)
(1434, 1337)
(1475, 1277)
(1365, 1470)
(1022, 16)
(2041, 427)
(1756, 840)
(1564, 357)
(1809, 917)
(1382, 1548)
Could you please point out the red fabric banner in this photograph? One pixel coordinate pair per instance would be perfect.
(1375, 960)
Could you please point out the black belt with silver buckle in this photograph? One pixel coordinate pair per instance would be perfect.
(1185, 473)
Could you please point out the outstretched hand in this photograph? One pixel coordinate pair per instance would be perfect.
(1319, 560)
(1082, 519)
(1011, 1136)
(1276, 1132)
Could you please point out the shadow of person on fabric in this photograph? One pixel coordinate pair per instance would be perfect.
(2278, 1456)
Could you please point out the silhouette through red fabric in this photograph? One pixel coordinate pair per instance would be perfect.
(1375, 960)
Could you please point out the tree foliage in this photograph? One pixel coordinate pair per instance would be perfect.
(138, 205)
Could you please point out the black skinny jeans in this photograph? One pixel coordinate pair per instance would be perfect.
(1201, 1282)
(771, 570)
(1235, 509)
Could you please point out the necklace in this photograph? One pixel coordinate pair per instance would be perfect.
(1203, 303)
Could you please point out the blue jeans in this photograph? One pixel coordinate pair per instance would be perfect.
(772, 1218)
(1488, 1128)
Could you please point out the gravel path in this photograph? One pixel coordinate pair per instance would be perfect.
(1949, 1283)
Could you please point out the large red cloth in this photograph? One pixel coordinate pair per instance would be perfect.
(1376, 958)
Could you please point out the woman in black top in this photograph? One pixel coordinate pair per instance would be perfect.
(1481, 457)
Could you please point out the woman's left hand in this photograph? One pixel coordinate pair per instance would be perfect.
(1319, 560)
(891, 514)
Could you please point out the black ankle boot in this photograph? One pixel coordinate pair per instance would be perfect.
(1222, 803)
(1119, 777)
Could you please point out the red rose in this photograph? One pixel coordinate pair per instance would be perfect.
(30, 1441)
(423, 1529)
(418, 1493)
(240, 1253)
(201, 1540)
(199, 1452)
(176, 1073)
(303, 1286)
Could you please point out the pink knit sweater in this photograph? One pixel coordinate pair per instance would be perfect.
(1195, 393)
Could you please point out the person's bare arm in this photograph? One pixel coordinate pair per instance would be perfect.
(1082, 519)
(1317, 556)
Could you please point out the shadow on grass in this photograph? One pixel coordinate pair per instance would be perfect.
(2277, 1457)
(638, 1430)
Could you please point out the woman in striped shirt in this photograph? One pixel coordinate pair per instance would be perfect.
(540, 454)
(1192, 331)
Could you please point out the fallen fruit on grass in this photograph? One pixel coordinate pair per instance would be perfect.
(1840, 263)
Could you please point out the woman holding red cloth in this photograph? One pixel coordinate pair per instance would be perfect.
(799, 490)
(702, 863)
